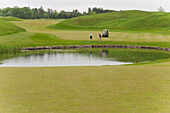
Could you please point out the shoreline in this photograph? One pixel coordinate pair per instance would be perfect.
(94, 46)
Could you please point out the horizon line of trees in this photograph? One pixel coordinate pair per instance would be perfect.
(37, 13)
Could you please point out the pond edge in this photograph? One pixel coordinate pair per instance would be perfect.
(94, 46)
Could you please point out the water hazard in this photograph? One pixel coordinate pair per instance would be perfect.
(80, 57)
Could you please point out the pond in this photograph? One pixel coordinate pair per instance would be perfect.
(80, 57)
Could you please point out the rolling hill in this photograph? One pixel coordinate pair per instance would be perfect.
(9, 18)
(124, 20)
(7, 28)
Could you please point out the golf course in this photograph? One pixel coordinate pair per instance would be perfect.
(142, 87)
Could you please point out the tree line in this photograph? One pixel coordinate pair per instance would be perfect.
(37, 13)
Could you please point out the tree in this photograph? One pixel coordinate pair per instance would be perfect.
(62, 14)
(37, 13)
(27, 13)
(68, 15)
(41, 12)
(92, 13)
(1, 14)
(50, 13)
(9, 13)
(76, 13)
(7, 10)
(15, 11)
(46, 15)
(84, 13)
(89, 10)
(55, 15)
(161, 9)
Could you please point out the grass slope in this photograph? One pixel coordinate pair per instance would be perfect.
(124, 20)
(9, 18)
(8, 28)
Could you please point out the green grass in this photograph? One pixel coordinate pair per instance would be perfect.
(9, 18)
(26, 39)
(38, 35)
(9, 55)
(103, 20)
(8, 28)
(128, 55)
(114, 54)
(142, 88)
(134, 20)
(115, 89)
(39, 26)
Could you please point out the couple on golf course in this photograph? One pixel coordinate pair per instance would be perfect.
(100, 36)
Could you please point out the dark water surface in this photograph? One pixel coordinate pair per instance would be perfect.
(80, 57)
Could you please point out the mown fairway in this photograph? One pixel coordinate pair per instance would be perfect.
(40, 26)
(142, 88)
(111, 89)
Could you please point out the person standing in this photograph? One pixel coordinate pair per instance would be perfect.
(91, 36)
(100, 36)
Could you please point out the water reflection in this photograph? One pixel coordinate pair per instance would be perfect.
(87, 57)
(105, 53)
(61, 59)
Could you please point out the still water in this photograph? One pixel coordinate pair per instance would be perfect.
(88, 57)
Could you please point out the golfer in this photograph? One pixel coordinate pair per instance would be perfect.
(100, 37)
(91, 35)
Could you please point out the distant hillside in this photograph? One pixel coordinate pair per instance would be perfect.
(7, 27)
(133, 19)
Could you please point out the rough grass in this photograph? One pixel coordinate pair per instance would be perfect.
(124, 20)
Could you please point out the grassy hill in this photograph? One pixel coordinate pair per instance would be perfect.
(133, 20)
(7, 28)
(9, 18)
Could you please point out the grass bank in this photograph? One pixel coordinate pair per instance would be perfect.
(8, 28)
(124, 20)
